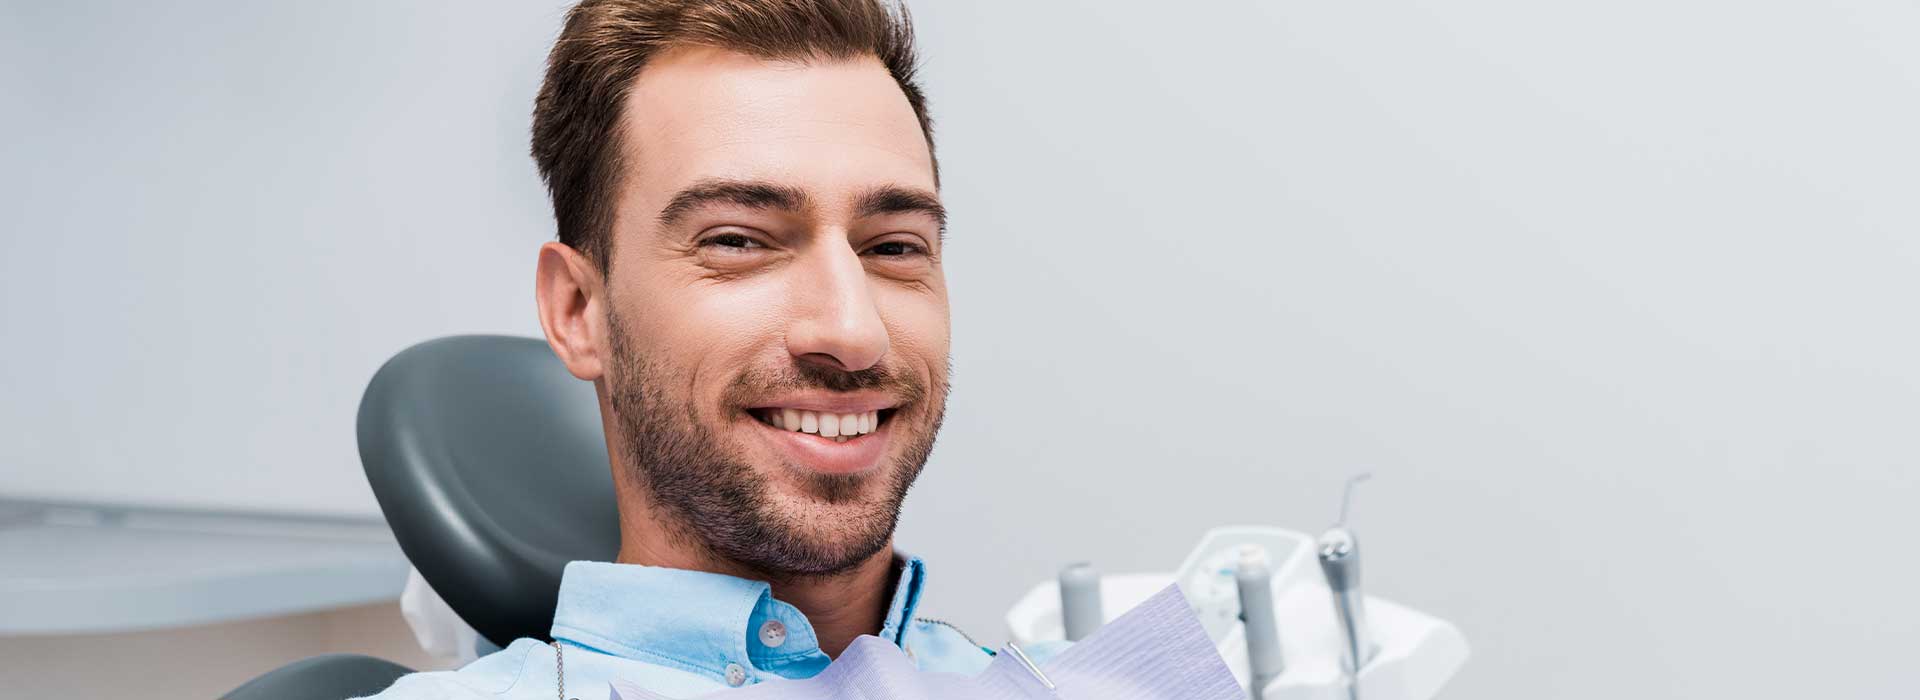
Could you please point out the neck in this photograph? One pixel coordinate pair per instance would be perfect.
(845, 605)
(840, 606)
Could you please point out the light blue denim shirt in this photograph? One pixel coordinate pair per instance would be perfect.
(681, 634)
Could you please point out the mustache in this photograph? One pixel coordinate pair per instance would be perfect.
(758, 382)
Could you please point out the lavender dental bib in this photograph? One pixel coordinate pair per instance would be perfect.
(1156, 651)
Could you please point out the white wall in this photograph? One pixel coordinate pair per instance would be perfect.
(1615, 299)
(221, 217)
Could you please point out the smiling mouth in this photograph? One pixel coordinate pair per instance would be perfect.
(837, 427)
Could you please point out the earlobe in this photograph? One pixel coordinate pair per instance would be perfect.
(568, 294)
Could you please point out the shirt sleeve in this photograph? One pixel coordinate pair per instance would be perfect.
(489, 678)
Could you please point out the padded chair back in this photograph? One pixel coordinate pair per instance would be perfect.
(490, 464)
(330, 677)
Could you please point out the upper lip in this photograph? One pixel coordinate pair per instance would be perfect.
(831, 401)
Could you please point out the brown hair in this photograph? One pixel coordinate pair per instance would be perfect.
(605, 43)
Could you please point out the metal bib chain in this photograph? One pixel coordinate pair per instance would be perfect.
(559, 670)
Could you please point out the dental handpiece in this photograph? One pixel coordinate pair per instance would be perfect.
(1339, 553)
(1255, 580)
(1340, 561)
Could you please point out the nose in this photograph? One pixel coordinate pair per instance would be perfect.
(835, 321)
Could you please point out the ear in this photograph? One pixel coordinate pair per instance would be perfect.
(571, 297)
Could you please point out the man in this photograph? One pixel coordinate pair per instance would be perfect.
(748, 270)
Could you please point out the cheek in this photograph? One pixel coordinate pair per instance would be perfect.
(723, 324)
(702, 333)
(918, 327)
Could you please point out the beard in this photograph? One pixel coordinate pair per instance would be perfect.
(713, 499)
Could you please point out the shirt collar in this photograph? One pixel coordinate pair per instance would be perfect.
(702, 622)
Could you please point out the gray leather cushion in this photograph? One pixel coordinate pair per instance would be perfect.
(489, 462)
(330, 677)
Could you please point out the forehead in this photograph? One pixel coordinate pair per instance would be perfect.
(828, 126)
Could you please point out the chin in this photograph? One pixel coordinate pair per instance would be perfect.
(806, 494)
(805, 536)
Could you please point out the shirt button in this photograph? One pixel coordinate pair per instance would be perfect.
(736, 675)
(773, 634)
(909, 651)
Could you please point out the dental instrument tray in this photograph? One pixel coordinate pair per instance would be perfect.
(1411, 654)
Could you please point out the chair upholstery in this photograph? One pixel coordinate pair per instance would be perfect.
(329, 677)
(490, 464)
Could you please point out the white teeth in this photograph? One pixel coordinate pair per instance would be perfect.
(839, 426)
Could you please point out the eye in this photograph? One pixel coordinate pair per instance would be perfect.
(731, 241)
(891, 249)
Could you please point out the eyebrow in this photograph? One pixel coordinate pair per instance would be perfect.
(752, 194)
(758, 194)
(888, 199)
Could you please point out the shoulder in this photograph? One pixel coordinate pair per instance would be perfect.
(1045, 651)
(490, 676)
(939, 646)
(936, 645)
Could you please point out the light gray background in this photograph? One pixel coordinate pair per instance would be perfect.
(1614, 298)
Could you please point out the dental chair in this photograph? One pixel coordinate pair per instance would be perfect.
(489, 462)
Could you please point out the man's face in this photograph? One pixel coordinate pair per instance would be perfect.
(778, 322)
